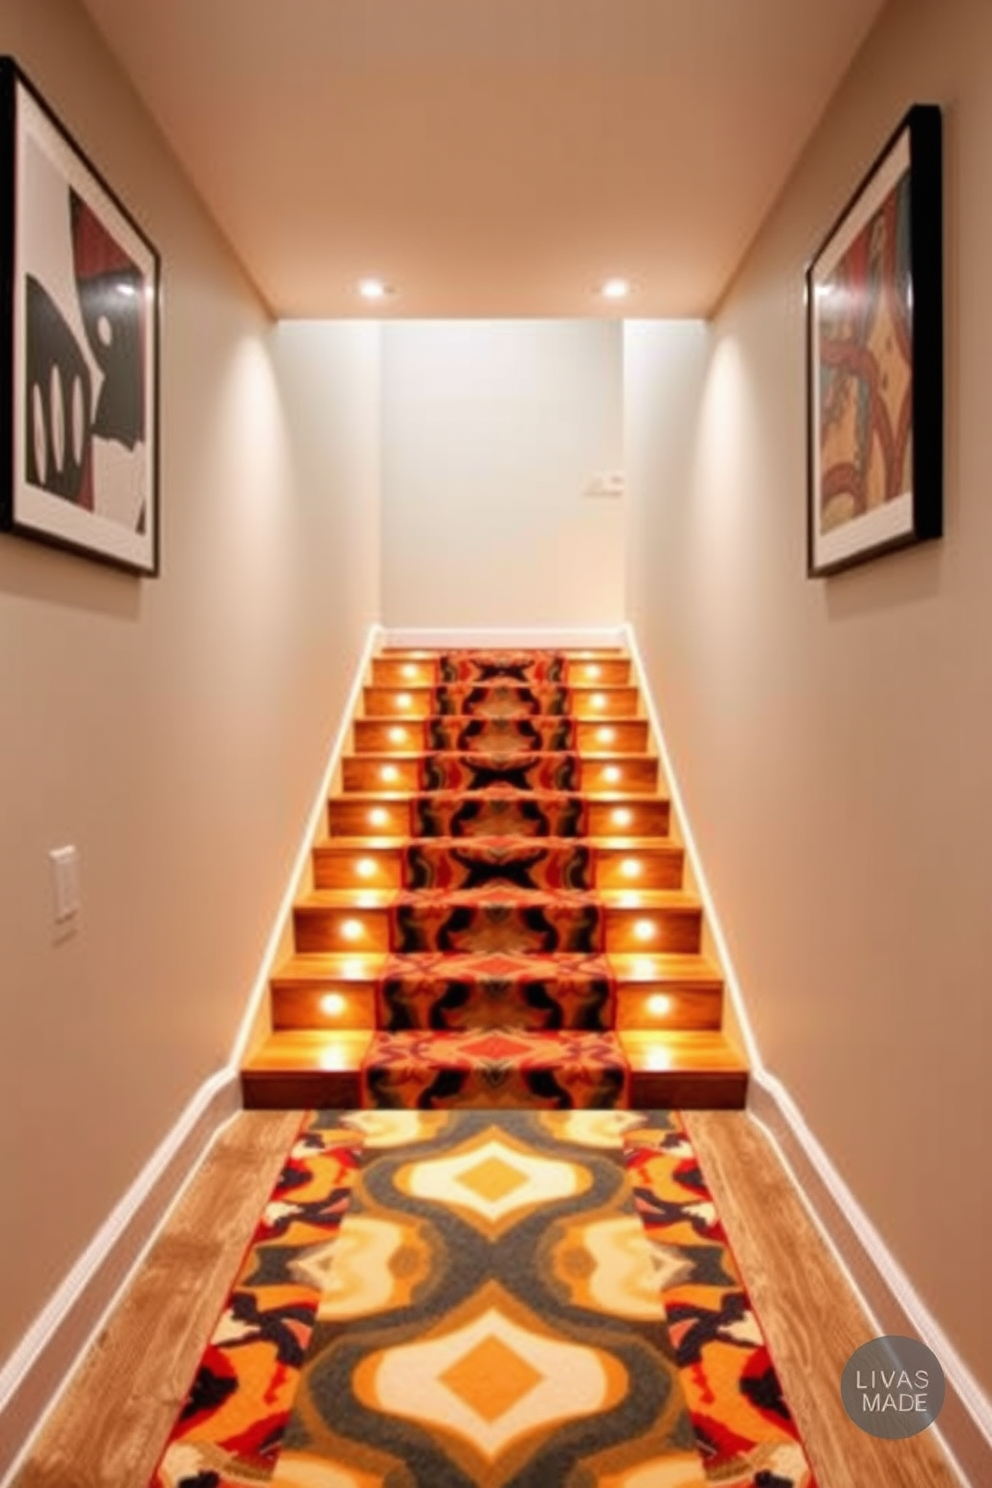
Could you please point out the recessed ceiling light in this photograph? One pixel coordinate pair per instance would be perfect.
(373, 289)
(615, 289)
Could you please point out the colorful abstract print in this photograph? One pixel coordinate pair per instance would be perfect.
(865, 369)
(499, 1305)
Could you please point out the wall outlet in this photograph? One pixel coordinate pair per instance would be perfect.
(65, 882)
(605, 483)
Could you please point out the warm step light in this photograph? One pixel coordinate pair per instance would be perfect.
(598, 700)
(621, 816)
(404, 700)
(398, 735)
(374, 289)
(594, 671)
(388, 774)
(333, 1004)
(409, 671)
(352, 930)
(659, 1004)
(631, 868)
(645, 930)
(366, 868)
(612, 774)
(606, 735)
(378, 816)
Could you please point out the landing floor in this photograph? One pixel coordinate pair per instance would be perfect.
(109, 1428)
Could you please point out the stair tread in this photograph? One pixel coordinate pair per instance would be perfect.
(358, 899)
(636, 967)
(345, 844)
(305, 1049)
(698, 1050)
(404, 756)
(310, 1050)
(613, 798)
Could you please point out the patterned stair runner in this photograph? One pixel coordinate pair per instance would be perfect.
(487, 847)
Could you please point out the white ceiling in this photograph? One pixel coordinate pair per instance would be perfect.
(487, 157)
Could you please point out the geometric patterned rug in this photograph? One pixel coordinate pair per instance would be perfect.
(521, 1299)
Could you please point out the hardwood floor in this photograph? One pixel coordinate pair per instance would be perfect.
(108, 1430)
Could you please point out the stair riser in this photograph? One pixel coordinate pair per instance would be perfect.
(424, 865)
(482, 702)
(311, 1089)
(375, 736)
(349, 1005)
(672, 1009)
(357, 816)
(394, 671)
(587, 928)
(536, 771)
(324, 1007)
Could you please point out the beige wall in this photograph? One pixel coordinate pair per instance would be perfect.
(834, 738)
(491, 432)
(173, 729)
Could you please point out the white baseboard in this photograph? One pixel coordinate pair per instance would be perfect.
(965, 1425)
(33, 1378)
(548, 637)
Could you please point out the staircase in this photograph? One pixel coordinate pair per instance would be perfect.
(497, 915)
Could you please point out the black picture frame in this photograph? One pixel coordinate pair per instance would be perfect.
(874, 365)
(80, 290)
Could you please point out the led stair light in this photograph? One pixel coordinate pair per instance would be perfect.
(645, 930)
(621, 816)
(659, 1005)
(631, 868)
(388, 774)
(598, 700)
(366, 867)
(352, 930)
(333, 1004)
(594, 670)
(378, 816)
(404, 700)
(612, 774)
(606, 735)
(398, 735)
(409, 671)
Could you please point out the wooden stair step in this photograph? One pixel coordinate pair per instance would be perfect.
(390, 813)
(333, 990)
(343, 919)
(399, 669)
(419, 702)
(616, 773)
(306, 1068)
(684, 1070)
(368, 862)
(299, 1069)
(379, 735)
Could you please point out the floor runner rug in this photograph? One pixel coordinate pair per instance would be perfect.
(515, 1299)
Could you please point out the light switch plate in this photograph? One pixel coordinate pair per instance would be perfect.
(65, 882)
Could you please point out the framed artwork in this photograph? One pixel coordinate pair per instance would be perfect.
(874, 308)
(79, 346)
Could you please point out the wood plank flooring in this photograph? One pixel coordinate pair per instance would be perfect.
(108, 1430)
